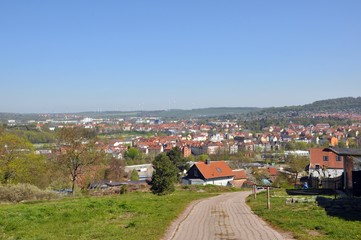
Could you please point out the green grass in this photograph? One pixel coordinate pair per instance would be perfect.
(130, 216)
(306, 221)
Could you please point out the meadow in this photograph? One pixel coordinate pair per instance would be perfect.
(129, 216)
(305, 221)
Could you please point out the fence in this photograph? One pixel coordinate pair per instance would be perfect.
(314, 182)
(326, 183)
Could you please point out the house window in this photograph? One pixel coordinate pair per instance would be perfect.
(317, 166)
(218, 169)
(338, 158)
(325, 158)
(195, 173)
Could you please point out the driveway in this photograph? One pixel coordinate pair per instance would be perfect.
(226, 217)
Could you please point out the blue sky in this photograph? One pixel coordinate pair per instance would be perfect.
(70, 56)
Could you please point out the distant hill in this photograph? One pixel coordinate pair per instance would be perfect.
(337, 104)
(175, 113)
(172, 113)
(203, 112)
(4, 117)
(347, 104)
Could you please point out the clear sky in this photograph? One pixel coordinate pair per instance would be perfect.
(70, 56)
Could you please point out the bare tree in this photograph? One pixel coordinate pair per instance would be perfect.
(297, 165)
(78, 152)
(116, 168)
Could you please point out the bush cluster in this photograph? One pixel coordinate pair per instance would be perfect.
(22, 192)
(144, 187)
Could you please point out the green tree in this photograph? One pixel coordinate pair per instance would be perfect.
(282, 181)
(341, 144)
(353, 143)
(190, 158)
(35, 136)
(19, 163)
(32, 169)
(175, 155)
(164, 175)
(12, 148)
(78, 153)
(134, 176)
(301, 146)
(133, 156)
(290, 146)
(203, 157)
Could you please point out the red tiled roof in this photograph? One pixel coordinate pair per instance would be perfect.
(238, 183)
(273, 171)
(239, 174)
(215, 169)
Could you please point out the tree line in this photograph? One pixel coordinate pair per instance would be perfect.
(76, 161)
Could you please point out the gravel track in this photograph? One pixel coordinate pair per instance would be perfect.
(225, 217)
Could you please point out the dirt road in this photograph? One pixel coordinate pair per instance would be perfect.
(226, 217)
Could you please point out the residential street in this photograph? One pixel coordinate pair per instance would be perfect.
(222, 217)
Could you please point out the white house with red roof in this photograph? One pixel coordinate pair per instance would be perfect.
(209, 172)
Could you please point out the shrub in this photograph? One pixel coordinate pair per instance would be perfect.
(123, 189)
(282, 181)
(21, 192)
(134, 176)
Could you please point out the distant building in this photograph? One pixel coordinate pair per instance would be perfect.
(145, 171)
(298, 153)
(11, 122)
(187, 151)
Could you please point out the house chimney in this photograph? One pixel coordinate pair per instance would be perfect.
(208, 161)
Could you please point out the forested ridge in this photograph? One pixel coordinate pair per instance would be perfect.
(346, 104)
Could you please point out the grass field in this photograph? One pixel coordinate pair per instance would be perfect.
(129, 216)
(306, 221)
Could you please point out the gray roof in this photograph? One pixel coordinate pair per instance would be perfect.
(344, 151)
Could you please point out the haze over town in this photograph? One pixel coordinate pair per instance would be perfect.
(145, 55)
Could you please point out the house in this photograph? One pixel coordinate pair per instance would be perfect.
(325, 164)
(240, 176)
(209, 172)
(248, 146)
(216, 138)
(351, 167)
(214, 147)
(301, 153)
(273, 173)
(198, 148)
(145, 171)
(233, 148)
(322, 126)
(186, 151)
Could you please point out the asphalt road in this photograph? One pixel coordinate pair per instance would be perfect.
(225, 217)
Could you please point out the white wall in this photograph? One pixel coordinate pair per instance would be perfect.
(328, 173)
(220, 182)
